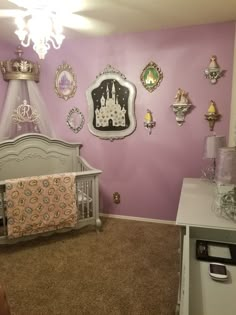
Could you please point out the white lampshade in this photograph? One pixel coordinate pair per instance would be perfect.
(212, 144)
(226, 166)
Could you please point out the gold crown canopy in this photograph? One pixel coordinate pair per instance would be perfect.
(19, 68)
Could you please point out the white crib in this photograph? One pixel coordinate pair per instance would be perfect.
(35, 155)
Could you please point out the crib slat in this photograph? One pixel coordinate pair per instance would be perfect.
(85, 192)
(3, 208)
(87, 199)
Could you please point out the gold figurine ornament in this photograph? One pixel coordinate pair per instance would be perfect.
(212, 115)
(149, 123)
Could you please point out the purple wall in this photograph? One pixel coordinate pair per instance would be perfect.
(146, 170)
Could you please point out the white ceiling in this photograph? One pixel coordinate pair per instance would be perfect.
(119, 16)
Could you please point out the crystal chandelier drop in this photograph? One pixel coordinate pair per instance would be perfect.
(42, 27)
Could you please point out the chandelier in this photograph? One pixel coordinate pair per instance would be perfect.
(42, 27)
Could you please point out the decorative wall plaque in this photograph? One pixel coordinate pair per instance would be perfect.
(151, 76)
(111, 105)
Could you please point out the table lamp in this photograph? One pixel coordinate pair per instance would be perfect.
(211, 146)
(226, 181)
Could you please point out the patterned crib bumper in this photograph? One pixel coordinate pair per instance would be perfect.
(40, 204)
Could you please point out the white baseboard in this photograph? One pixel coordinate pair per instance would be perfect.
(126, 217)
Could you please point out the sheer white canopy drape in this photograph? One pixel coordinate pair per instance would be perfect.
(19, 92)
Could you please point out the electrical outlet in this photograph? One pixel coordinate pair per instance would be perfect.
(116, 197)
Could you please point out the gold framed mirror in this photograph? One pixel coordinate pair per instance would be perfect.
(65, 82)
(151, 76)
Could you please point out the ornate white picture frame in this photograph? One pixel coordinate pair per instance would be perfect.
(65, 82)
(111, 101)
(75, 119)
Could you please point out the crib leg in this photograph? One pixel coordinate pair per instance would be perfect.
(98, 224)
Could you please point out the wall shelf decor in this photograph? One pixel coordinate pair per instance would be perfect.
(111, 100)
(213, 72)
(181, 106)
(75, 119)
(151, 76)
(65, 82)
(212, 115)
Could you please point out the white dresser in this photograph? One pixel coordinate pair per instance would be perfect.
(198, 293)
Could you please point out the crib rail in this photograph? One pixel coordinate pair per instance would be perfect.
(83, 165)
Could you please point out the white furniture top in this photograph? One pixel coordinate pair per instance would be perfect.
(196, 206)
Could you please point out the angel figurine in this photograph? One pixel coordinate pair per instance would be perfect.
(181, 97)
(181, 106)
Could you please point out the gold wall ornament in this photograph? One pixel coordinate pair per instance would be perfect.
(149, 123)
(75, 119)
(181, 106)
(212, 115)
(65, 82)
(19, 68)
(151, 76)
(213, 72)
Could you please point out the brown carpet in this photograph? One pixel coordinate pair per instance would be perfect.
(130, 268)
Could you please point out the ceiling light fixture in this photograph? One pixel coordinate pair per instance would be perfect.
(41, 26)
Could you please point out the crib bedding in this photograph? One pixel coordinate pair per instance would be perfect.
(45, 187)
(40, 204)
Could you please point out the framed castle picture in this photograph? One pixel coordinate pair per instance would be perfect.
(65, 82)
(111, 101)
(151, 76)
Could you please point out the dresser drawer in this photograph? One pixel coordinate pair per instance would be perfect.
(199, 221)
(200, 295)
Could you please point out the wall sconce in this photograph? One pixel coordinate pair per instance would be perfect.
(213, 72)
(212, 116)
(181, 106)
(226, 182)
(149, 123)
